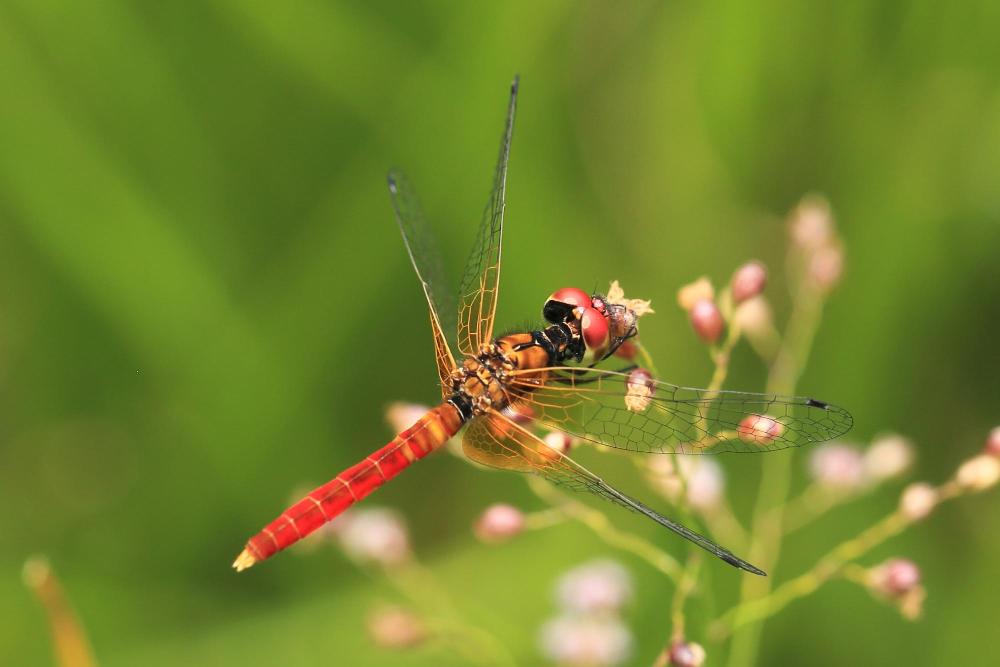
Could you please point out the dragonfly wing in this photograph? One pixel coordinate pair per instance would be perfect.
(481, 281)
(426, 259)
(495, 440)
(603, 407)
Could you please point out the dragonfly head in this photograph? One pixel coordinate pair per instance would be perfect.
(601, 326)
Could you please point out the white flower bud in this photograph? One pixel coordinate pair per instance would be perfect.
(978, 473)
(918, 500)
(499, 522)
(375, 535)
(838, 466)
(586, 641)
(887, 457)
(599, 586)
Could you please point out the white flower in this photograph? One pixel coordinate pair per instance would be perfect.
(888, 456)
(374, 535)
(601, 585)
(591, 641)
(838, 466)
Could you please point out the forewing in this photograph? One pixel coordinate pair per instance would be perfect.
(426, 258)
(494, 440)
(481, 281)
(601, 406)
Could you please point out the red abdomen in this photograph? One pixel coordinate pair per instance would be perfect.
(323, 504)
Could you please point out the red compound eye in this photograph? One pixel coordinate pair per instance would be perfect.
(595, 329)
(571, 295)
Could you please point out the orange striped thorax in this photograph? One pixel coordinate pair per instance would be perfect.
(482, 381)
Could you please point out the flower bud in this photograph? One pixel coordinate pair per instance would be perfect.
(375, 535)
(888, 456)
(826, 266)
(687, 654)
(748, 281)
(993, 443)
(918, 500)
(706, 320)
(895, 577)
(837, 466)
(627, 350)
(599, 586)
(639, 390)
(978, 473)
(498, 523)
(575, 640)
(558, 441)
(760, 429)
(812, 223)
(701, 477)
(402, 416)
(692, 293)
(396, 628)
(754, 317)
(522, 413)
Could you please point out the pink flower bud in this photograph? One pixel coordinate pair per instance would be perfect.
(812, 223)
(895, 577)
(598, 586)
(760, 429)
(993, 442)
(558, 441)
(375, 535)
(979, 473)
(522, 413)
(686, 654)
(748, 281)
(826, 267)
(396, 628)
(498, 523)
(627, 350)
(838, 466)
(917, 501)
(692, 293)
(706, 320)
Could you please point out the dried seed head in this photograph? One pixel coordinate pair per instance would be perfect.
(396, 628)
(888, 456)
(692, 293)
(706, 319)
(640, 388)
(979, 473)
(993, 443)
(748, 281)
(760, 429)
(498, 523)
(918, 500)
(687, 654)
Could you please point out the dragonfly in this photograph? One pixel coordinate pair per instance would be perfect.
(503, 390)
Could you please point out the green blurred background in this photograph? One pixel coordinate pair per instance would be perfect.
(204, 300)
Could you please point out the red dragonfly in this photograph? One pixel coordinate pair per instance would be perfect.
(503, 387)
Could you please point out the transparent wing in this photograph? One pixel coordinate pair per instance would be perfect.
(603, 407)
(481, 280)
(496, 441)
(426, 259)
